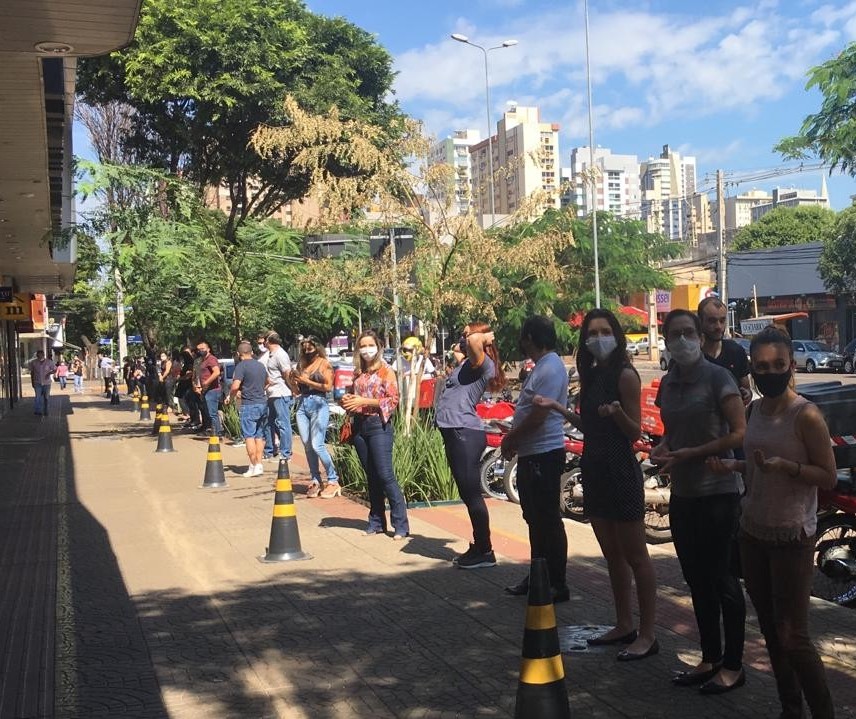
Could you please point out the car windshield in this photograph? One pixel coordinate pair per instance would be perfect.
(815, 347)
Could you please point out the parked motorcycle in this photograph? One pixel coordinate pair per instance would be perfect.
(835, 543)
(496, 417)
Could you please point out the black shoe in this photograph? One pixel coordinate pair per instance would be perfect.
(712, 687)
(560, 594)
(521, 589)
(475, 559)
(625, 656)
(628, 638)
(688, 679)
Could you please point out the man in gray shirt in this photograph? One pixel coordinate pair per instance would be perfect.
(250, 378)
(538, 439)
(279, 396)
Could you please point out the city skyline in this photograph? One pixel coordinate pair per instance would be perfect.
(723, 84)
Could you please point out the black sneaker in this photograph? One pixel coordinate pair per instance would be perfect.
(475, 559)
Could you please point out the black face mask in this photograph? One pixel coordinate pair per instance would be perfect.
(772, 384)
(462, 345)
(201, 353)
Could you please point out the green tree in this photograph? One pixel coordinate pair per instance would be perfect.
(202, 75)
(830, 133)
(838, 260)
(786, 226)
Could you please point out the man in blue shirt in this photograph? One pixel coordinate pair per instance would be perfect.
(537, 438)
(251, 378)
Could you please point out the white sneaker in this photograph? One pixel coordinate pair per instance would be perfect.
(258, 470)
(251, 471)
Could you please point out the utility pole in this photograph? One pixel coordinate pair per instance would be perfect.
(396, 332)
(592, 166)
(721, 278)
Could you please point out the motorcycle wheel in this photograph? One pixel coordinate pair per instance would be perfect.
(658, 529)
(571, 495)
(509, 478)
(836, 539)
(492, 475)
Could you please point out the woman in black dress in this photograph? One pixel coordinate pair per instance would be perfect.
(614, 497)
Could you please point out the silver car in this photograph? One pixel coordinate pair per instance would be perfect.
(812, 356)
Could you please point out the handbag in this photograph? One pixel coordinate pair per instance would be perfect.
(346, 432)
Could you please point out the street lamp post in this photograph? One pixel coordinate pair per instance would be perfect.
(485, 50)
(592, 168)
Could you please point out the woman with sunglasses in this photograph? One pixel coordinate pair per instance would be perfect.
(310, 381)
(478, 369)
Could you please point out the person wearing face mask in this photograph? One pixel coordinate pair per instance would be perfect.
(478, 369)
(703, 415)
(371, 403)
(538, 438)
(724, 352)
(207, 387)
(613, 493)
(310, 381)
(788, 457)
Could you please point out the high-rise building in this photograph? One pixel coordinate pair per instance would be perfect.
(616, 178)
(792, 198)
(668, 185)
(525, 161)
(455, 151)
(738, 209)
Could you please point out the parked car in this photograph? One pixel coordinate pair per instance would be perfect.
(848, 354)
(642, 345)
(633, 347)
(389, 355)
(812, 356)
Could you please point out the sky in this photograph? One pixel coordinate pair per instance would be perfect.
(723, 81)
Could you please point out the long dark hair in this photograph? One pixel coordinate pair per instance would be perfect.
(497, 382)
(303, 361)
(359, 369)
(617, 361)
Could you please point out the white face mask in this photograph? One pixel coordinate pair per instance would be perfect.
(684, 351)
(368, 353)
(601, 347)
(261, 347)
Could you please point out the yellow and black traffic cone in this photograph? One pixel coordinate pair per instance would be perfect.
(144, 409)
(157, 423)
(135, 402)
(541, 692)
(214, 476)
(284, 544)
(165, 434)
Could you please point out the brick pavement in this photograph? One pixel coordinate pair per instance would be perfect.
(133, 592)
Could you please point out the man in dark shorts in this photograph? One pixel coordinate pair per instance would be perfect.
(250, 378)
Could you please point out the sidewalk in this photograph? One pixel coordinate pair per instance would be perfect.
(130, 591)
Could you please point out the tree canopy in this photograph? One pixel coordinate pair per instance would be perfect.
(786, 226)
(837, 263)
(203, 75)
(830, 133)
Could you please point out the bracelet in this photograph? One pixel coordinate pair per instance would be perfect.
(799, 470)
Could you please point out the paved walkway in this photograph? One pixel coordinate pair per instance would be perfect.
(129, 591)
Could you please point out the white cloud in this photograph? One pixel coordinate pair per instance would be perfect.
(645, 65)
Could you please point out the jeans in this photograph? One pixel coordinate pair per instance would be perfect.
(778, 579)
(278, 424)
(464, 447)
(313, 416)
(61, 381)
(703, 529)
(538, 483)
(212, 403)
(43, 393)
(373, 443)
(78, 383)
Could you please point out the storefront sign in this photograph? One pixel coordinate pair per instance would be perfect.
(18, 308)
(39, 312)
(664, 300)
(796, 303)
(750, 328)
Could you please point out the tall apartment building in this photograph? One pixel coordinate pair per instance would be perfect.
(455, 151)
(792, 198)
(525, 160)
(668, 185)
(616, 178)
(738, 209)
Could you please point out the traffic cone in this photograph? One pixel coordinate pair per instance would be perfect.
(114, 394)
(135, 402)
(144, 409)
(158, 419)
(214, 476)
(165, 435)
(284, 544)
(541, 691)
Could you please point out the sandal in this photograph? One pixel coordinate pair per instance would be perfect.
(314, 490)
(330, 491)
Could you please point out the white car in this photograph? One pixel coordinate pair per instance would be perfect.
(642, 345)
(633, 347)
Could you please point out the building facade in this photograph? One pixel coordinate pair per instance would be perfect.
(792, 198)
(616, 178)
(668, 185)
(455, 152)
(525, 162)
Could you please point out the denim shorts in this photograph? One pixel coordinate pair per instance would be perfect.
(253, 420)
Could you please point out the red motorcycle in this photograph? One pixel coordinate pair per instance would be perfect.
(496, 417)
(835, 544)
